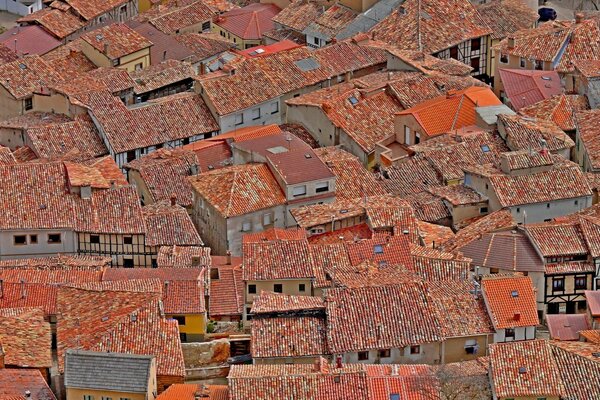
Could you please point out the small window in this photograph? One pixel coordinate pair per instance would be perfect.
(29, 104)
(485, 148)
(581, 305)
(504, 58)
(417, 138)
(406, 134)
(509, 333)
(95, 239)
(316, 41)
(33, 239)
(274, 107)
(127, 239)
(88, 397)
(363, 355)
(494, 270)
(252, 289)
(385, 353)
(378, 249)
(353, 100)
(278, 288)
(20, 240)
(576, 202)
(558, 284)
(483, 210)
(580, 282)
(180, 319)
(394, 396)
(299, 191)
(301, 287)
(214, 274)
(206, 26)
(239, 119)
(522, 62)
(547, 205)
(475, 44)
(182, 339)
(246, 226)
(518, 210)
(54, 238)
(267, 219)
(106, 398)
(256, 114)
(472, 349)
(322, 187)
(116, 62)
(130, 155)
(248, 315)
(415, 349)
(539, 65)
(128, 263)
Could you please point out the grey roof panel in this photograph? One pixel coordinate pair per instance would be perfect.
(368, 19)
(107, 371)
(490, 113)
(307, 64)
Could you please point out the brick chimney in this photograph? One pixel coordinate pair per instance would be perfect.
(517, 316)
(511, 42)
(578, 18)
(173, 200)
(1, 357)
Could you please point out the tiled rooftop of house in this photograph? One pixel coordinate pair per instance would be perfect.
(298, 15)
(116, 41)
(273, 234)
(505, 17)
(157, 76)
(587, 129)
(29, 40)
(227, 292)
(59, 23)
(269, 302)
(283, 259)
(239, 189)
(511, 301)
(525, 88)
(22, 77)
(525, 368)
(25, 338)
(525, 133)
(168, 225)
(561, 109)
(593, 299)
(203, 45)
(441, 25)
(91, 9)
(305, 336)
(59, 262)
(557, 239)
(164, 46)
(173, 19)
(183, 256)
(248, 23)
(328, 24)
(14, 382)
(190, 391)
(566, 326)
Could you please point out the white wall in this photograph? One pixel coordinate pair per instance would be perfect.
(521, 333)
(227, 122)
(9, 250)
(16, 7)
(538, 212)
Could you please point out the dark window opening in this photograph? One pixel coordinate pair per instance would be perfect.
(180, 319)
(580, 282)
(20, 239)
(363, 355)
(128, 263)
(252, 289)
(475, 44)
(385, 353)
(454, 52)
(278, 288)
(54, 238)
(127, 239)
(509, 333)
(95, 239)
(302, 287)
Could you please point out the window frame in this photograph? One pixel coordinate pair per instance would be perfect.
(478, 42)
(94, 239)
(509, 333)
(363, 356)
(558, 288)
(59, 241)
(179, 318)
(246, 226)
(278, 288)
(257, 112)
(239, 116)
(24, 237)
(252, 289)
(274, 107)
(28, 103)
(322, 187)
(33, 239)
(298, 194)
(416, 349)
(302, 287)
(579, 287)
(384, 353)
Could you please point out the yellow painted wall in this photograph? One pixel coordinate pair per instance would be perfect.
(9, 106)
(195, 324)
(454, 348)
(241, 43)
(290, 287)
(54, 103)
(127, 62)
(136, 179)
(77, 394)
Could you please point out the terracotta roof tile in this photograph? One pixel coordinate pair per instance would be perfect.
(91, 9)
(390, 307)
(25, 338)
(239, 189)
(21, 78)
(557, 239)
(248, 22)
(28, 40)
(505, 17)
(203, 45)
(272, 234)
(160, 75)
(434, 269)
(525, 368)
(50, 276)
(14, 382)
(442, 25)
(524, 133)
(227, 292)
(560, 109)
(59, 23)
(587, 127)
(511, 301)
(189, 391)
(120, 39)
(580, 375)
(168, 225)
(433, 234)
(304, 336)
(566, 326)
(19, 295)
(569, 267)
(393, 250)
(183, 256)
(328, 24)
(66, 262)
(269, 302)
(491, 222)
(593, 299)
(592, 336)
(525, 87)
(178, 18)
(282, 259)
(353, 180)
(355, 232)
(298, 15)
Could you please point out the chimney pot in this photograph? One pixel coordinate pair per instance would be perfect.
(511, 42)
(173, 200)
(106, 49)
(578, 18)
(228, 257)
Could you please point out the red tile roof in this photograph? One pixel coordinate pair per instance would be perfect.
(272, 234)
(92, 9)
(174, 19)
(460, 106)
(442, 24)
(524, 87)
(557, 239)
(511, 301)
(19, 295)
(566, 326)
(355, 232)
(592, 336)
(190, 391)
(298, 15)
(282, 259)
(50, 276)
(269, 302)
(399, 316)
(580, 373)
(59, 23)
(239, 189)
(59, 262)
(393, 250)
(25, 338)
(525, 133)
(183, 256)
(29, 40)
(593, 299)
(169, 225)
(120, 39)
(14, 382)
(525, 368)
(160, 75)
(587, 130)
(265, 50)
(491, 222)
(227, 292)
(164, 47)
(560, 109)
(331, 22)
(248, 23)
(203, 45)
(184, 296)
(505, 17)
(21, 78)
(288, 336)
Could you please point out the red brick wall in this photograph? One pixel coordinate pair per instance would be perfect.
(164, 381)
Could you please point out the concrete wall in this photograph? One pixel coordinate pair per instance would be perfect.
(138, 182)
(463, 212)
(316, 123)
(8, 248)
(12, 137)
(238, 41)
(453, 349)
(289, 286)
(16, 7)
(267, 116)
(402, 121)
(53, 103)
(9, 106)
(538, 212)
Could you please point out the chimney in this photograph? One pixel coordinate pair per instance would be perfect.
(1, 288)
(394, 371)
(578, 18)
(106, 49)
(511, 42)
(517, 316)
(166, 288)
(1, 357)
(228, 257)
(173, 200)
(23, 291)
(338, 361)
